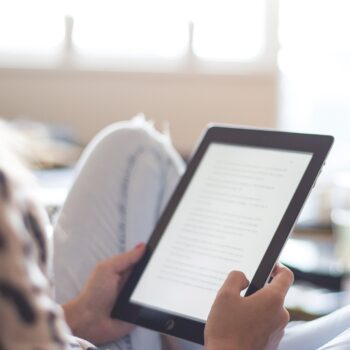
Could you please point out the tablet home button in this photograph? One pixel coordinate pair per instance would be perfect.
(169, 324)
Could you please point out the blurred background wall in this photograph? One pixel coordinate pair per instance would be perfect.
(87, 101)
(86, 64)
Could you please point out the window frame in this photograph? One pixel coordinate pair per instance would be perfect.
(66, 58)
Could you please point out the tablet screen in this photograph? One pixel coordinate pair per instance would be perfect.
(225, 221)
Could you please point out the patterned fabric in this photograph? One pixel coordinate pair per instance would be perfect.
(29, 318)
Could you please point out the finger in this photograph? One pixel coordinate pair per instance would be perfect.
(126, 260)
(124, 277)
(282, 280)
(236, 281)
(277, 268)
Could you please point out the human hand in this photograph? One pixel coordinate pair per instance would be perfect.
(88, 315)
(255, 322)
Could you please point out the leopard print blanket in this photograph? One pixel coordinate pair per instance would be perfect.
(29, 317)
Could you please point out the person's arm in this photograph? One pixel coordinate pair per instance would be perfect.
(256, 322)
(88, 315)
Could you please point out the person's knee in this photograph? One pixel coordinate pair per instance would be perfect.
(122, 136)
(136, 141)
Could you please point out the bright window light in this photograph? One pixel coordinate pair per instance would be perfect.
(130, 28)
(30, 26)
(117, 30)
(129, 39)
(314, 61)
(229, 29)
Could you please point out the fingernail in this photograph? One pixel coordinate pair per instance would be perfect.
(139, 246)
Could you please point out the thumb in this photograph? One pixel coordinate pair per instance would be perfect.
(236, 281)
(126, 260)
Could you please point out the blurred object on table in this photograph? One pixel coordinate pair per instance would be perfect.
(316, 212)
(330, 193)
(54, 185)
(340, 217)
(322, 284)
(340, 192)
(341, 230)
(40, 145)
(312, 251)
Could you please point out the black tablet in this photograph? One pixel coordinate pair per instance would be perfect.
(233, 209)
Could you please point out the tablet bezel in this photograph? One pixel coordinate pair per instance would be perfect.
(180, 326)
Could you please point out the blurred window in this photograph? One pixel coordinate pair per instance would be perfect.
(30, 32)
(314, 63)
(123, 33)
